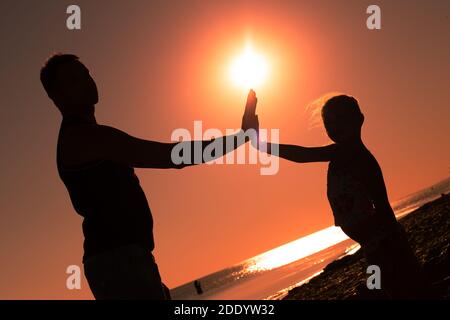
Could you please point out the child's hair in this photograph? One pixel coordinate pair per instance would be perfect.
(334, 101)
(342, 104)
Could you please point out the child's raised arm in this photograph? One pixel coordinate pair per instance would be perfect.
(298, 153)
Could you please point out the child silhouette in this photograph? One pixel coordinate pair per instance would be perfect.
(358, 197)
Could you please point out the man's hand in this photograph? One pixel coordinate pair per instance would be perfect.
(250, 119)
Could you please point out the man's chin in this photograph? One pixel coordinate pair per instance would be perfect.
(91, 108)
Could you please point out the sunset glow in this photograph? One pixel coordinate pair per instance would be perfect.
(297, 249)
(248, 224)
(249, 70)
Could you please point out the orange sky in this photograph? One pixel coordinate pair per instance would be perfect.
(160, 66)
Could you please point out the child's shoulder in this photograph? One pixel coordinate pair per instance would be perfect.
(360, 157)
(369, 165)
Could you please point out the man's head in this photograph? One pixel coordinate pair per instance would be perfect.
(68, 83)
(343, 119)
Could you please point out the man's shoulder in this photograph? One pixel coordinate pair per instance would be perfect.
(78, 143)
(78, 132)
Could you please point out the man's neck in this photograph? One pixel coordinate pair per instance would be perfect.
(88, 117)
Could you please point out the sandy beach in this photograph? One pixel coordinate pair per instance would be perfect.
(428, 229)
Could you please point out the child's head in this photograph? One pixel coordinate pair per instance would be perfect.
(342, 119)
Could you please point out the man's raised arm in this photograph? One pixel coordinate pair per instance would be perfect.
(113, 144)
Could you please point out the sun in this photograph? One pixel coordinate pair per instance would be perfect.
(249, 70)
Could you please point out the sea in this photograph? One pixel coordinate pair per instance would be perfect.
(270, 275)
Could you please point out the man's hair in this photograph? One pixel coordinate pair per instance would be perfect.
(48, 71)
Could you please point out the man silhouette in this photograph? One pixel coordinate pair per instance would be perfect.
(96, 163)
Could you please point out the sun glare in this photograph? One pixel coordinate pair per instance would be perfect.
(297, 249)
(249, 70)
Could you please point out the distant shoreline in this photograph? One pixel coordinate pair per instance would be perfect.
(221, 280)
